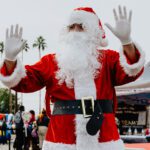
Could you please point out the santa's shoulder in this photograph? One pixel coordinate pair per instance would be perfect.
(48, 57)
(109, 52)
(51, 55)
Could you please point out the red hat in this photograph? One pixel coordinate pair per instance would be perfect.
(90, 20)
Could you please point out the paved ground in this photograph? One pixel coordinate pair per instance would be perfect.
(6, 146)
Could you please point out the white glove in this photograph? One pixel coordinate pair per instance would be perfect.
(13, 43)
(122, 30)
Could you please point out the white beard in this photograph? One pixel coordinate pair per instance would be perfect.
(77, 55)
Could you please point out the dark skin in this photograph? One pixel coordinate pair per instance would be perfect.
(129, 49)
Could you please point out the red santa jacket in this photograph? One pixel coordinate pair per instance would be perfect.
(68, 131)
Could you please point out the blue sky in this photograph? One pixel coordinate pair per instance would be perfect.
(46, 17)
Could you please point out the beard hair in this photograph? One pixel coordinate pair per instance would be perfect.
(78, 55)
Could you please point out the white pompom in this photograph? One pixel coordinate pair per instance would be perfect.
(104, 42)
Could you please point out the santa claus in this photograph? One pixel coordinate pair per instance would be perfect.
(79, 80)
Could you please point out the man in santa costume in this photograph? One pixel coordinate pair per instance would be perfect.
(79, 80)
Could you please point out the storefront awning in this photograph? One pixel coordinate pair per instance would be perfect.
(135, 99)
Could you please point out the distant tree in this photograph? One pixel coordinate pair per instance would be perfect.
(41, 45)
(5, 105)
(26, 47)
(1, 48)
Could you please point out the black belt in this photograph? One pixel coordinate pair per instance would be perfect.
(75, 106)
(88, 107)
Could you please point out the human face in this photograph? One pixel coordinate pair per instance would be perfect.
(76, 27)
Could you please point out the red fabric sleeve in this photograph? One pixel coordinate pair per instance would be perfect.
(5, 72)
(131, 62)
(119, 76)
(36, 76)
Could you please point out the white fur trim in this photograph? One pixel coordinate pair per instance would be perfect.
(134, 69)
(90, 21)
(85, 86)
(112, 145)
(83, 139)
(88, 142)
(57, 146)
(80, 16)
(15, 77)
(104, 42)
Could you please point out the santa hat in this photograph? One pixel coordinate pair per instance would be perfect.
(89, 19)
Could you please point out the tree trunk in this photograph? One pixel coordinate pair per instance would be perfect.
(21, 98)
(10, 101)
(39, 54)
(40, 90)
(39, 101)
(16, 102)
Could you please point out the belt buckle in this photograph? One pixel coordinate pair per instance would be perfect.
(83, 99)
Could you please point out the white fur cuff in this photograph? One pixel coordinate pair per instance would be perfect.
(132, 69)
(15, 77)
(115, 145)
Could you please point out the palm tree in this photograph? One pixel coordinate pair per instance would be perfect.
(26, 47)
(1, 48)
(41, 45)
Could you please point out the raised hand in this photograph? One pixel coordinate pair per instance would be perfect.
(122, 29)
(13, 43)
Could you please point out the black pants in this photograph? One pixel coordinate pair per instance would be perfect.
(29, 140)
(20, 136)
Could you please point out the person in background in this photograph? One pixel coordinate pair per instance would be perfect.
(29, 139)
(3, 129)
(147, 133)
(10, 121)
(35, 137)
(42, 123)
(20, 135)
(32, 118)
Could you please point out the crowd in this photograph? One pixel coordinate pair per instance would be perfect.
(6, 124)
(28, 128)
